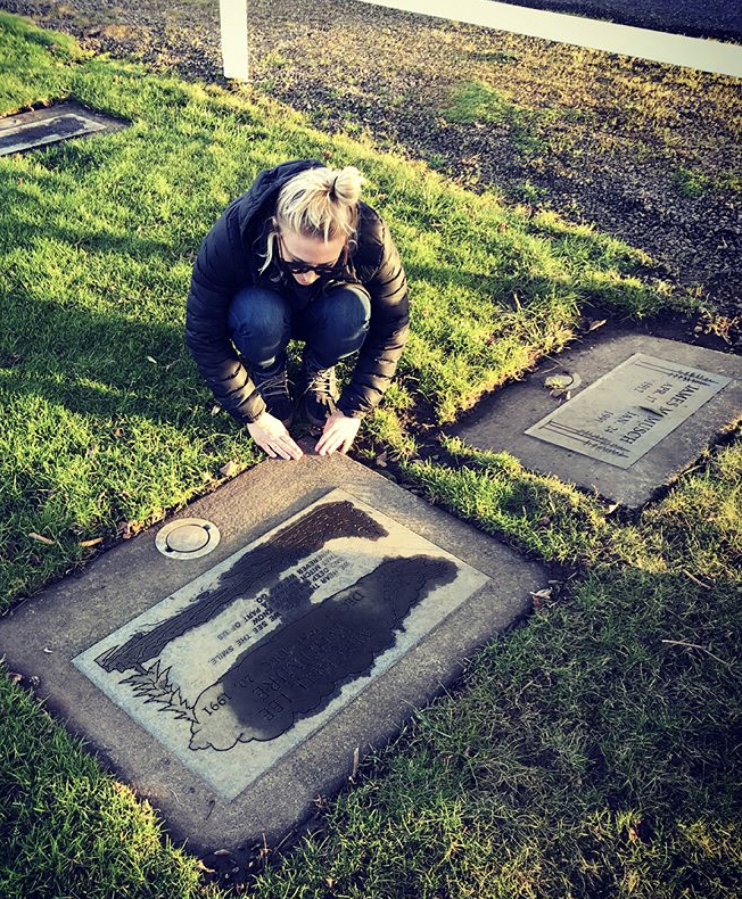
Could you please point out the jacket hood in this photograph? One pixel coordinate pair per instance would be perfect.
(265, 189)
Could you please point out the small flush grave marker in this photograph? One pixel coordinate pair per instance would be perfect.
(254, 649)
(232, 690)
(622, 416)
(30, 130)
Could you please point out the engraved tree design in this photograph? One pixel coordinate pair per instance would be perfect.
(153, 685)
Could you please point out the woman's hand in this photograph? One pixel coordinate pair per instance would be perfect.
(271, 436)
(338, 434)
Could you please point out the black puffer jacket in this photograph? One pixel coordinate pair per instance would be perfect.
(228, 261)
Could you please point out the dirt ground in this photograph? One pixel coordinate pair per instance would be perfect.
(649, 153)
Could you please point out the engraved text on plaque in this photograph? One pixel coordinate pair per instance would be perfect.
(620, 417)
(238, 667)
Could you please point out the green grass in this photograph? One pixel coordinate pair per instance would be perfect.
(67, 829)
(437, 161)
(529, 193)
(691, 184)
(475, 101)
(581, 755)
(694, 183)
(98, 238)
(538, 514)
(45, 53)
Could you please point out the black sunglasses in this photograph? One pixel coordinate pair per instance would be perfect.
(299, 267)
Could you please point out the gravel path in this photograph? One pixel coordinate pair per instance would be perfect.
(649, 153)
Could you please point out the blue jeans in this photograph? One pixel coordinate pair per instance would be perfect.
(334, 325)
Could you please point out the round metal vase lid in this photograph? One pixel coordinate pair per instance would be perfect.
(565, 380)
(187, 538)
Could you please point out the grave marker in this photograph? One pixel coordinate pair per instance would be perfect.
(232, 689)
(238, 667)
(30, 130)
(641, 409)
(621, 416)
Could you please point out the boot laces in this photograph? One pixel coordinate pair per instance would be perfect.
(320, 381)
(273, 386)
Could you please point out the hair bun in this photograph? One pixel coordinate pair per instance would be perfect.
(345, 185)
(321, 201)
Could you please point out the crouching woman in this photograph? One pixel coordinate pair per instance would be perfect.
(299, 255)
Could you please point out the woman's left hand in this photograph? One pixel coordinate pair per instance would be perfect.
(338, 434)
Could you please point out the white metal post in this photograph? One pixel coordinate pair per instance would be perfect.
(233, 15)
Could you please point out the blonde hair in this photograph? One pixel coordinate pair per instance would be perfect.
(318, 202)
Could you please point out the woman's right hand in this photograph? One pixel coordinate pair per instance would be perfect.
(271, 435)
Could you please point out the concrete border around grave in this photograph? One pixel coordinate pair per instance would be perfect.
(284, 796)
(500, 422)
(102, 122)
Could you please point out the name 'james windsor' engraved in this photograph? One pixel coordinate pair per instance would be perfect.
(627, 412)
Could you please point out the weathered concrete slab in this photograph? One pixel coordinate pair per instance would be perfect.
(232, 689)
(640, 410)
(30, 130)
